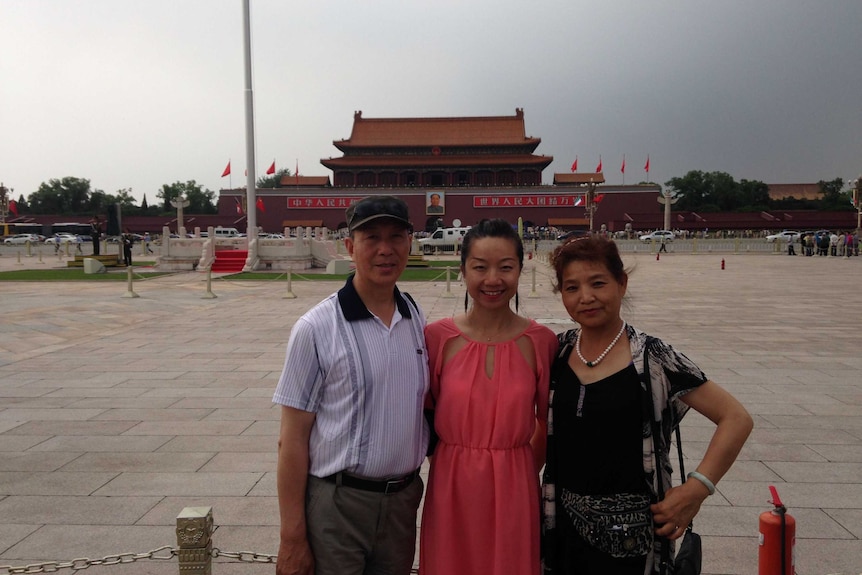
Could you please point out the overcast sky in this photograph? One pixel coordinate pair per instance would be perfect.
(140, 94)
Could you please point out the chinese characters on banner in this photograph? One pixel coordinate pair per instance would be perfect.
(527, 201)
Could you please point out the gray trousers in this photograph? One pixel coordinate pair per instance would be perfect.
(356, 532)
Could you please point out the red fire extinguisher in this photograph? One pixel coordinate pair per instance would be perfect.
(777, 540)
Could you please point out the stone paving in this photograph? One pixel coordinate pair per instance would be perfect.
(115, 413)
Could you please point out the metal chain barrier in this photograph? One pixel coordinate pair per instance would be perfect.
(85, 563)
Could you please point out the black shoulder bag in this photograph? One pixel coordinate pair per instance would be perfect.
(688, 559)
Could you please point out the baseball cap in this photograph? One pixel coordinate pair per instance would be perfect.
(377, 207)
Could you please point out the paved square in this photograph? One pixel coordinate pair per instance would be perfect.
(116, 413)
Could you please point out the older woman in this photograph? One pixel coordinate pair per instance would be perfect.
(616, 394)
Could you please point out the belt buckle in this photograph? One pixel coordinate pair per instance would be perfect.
(393, 484)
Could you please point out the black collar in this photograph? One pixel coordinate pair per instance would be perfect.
(354, 308)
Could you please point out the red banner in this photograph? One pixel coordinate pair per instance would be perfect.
(526, 201)
(316, 202)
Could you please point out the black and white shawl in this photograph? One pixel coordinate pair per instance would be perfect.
(672, 375)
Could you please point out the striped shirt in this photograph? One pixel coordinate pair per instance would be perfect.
(365, 382)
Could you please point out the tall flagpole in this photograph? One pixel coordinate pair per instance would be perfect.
(251, 212)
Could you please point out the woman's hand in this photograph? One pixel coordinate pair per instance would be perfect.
(679, 506)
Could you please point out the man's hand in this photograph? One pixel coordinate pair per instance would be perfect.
(294, 558)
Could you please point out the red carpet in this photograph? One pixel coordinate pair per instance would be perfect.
(229, 261)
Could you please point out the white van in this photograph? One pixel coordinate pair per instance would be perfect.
(443, 239)
(221, 232)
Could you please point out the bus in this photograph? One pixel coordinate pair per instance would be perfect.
(13, 228)
(73, 228)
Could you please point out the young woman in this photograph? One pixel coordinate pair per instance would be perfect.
(489, 388)
(602, 509)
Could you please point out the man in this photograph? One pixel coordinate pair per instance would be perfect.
(352, 432)
(434, 206)
(96, 233)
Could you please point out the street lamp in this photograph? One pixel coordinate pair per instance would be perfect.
(857, 201)
(4, 202)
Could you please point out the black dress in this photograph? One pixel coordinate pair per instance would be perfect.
(598, 430)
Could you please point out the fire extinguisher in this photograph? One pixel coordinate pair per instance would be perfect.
(777, 540)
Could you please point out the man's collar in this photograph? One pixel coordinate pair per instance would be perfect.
(355, 309)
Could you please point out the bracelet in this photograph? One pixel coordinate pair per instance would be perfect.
(710, 486)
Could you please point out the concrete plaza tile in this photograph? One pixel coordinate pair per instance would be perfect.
(836, 409)
(827, 472)
(123, 402)
(15, 443)
(253, 462)
(181, 484)
(745, 471)
(52, 483)
(846, 453)
(139, 462)
(12, 533)
(226, 510)
(59, 543)
(734, 555)
(94, 392)
(824, 556)
(205, 427)
(794, 495)
(72, 428)
(267, 428)
(758, 452)
(245, 443)
(102, 443)
(183, 392)
(845, 422)
(850, 519)
(146, 414)
(31, 461)
(811, 437)
(777, 408)
(76, 510)
(67, 414)
(266, 487)
(203, 400)
(40, 402)
(249, 415)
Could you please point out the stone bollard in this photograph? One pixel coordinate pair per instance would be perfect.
(533, 292)
(209, 294)
(289, 294)
(448, 292)
(194, 539)
(131, 291)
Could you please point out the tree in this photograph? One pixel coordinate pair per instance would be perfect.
(834, 196)
(201, 201)
(718, 192)
(23, 206)
(273, 180)
(67, 196)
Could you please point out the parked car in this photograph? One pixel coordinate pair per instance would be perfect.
(62, 239)
(573, 234)
(783, 237)
(20, 239)
(657, 236)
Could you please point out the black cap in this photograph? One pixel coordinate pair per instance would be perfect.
(376, 207)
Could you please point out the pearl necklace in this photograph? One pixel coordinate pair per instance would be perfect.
(603, 354)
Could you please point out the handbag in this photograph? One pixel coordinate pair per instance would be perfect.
(619, 525)
(689, 558)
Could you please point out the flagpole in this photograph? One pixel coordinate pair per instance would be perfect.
(251, 213)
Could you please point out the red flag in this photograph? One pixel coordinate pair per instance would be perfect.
(259, 204)
(575, 165)
(226, 171)
(13, 207)
(599, 167)
(646, 166)
(238, 206)
(271, 169)
(623, 167)
(598, 198)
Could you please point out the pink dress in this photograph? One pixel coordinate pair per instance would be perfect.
(481, 511)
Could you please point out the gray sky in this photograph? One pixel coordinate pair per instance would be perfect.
(140, 94)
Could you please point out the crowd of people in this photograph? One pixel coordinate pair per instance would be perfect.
(368, 391)
(836, 244)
